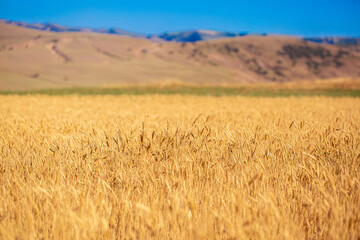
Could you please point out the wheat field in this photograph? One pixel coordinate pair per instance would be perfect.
(179, 167)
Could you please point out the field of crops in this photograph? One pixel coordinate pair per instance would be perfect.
(179, 167)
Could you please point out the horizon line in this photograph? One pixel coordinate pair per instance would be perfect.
(247, 32)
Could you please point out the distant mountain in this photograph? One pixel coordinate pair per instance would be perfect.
(197, 35)
(183, 36)
(339, 41)
(59, 28)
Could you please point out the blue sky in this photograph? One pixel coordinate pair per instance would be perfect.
(305, 18)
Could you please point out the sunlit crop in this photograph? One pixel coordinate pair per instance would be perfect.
(179, 167)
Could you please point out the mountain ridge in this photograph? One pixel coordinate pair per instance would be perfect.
(195, 35)
(51, 27)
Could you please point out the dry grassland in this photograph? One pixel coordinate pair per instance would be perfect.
(179, 167)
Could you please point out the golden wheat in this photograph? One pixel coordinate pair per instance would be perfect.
(179, 167)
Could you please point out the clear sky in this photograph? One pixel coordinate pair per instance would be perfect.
(305, 18)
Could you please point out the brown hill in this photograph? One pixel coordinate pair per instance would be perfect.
(31, 59)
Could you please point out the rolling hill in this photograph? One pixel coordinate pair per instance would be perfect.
(33, 59)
